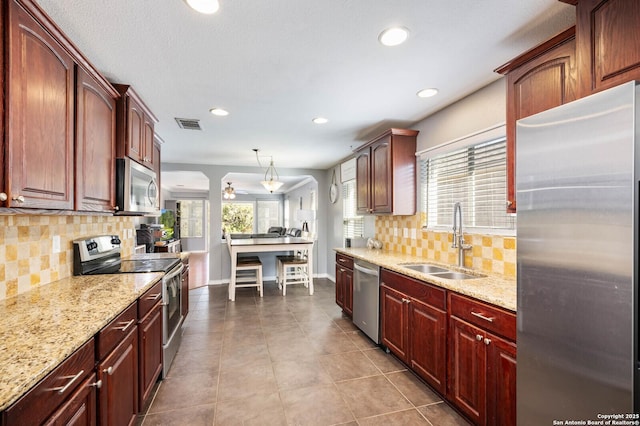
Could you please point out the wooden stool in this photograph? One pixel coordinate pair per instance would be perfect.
(249, 273)
(292, 270)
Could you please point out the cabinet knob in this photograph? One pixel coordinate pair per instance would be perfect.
(109, 370)
(479, 337)
(3, 196)
(97, 384)
(487, 342)
(509, 203)
(18, 198)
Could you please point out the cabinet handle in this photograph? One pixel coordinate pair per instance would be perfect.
(476, 314)
(153, 297)
(97, 384)
(125, 326)
(109, 370)
(478, 337)
(63, 389)
(509, 203)
(18, 198)
(3, 196)
(487, 341)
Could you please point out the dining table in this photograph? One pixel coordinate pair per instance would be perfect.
(262, 245)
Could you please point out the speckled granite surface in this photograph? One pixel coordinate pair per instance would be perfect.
(491, 289)
(42, 327)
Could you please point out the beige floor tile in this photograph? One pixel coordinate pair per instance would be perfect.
(317, 405)
(413, 389)
(384, 361)
(442, 415)
(349, 365)
(185, 391)
(400, 418)
(257, 410)
(300, 373)
(201, 415)
(372, 396)
(248, 381)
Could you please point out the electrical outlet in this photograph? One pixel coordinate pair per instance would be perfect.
(56, 244)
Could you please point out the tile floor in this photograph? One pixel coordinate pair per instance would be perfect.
(293, 360)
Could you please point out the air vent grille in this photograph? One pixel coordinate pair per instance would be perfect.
(189, 123)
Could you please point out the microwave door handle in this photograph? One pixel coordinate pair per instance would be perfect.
(149, 190)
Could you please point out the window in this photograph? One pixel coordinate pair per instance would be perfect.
(237, 217)
(268, 215)
(476, 176)
(352, 224)
(192, 218)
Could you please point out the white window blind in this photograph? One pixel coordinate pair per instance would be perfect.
(268, 215)
(476, 176)
(352, 224)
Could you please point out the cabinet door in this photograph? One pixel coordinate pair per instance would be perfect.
(467, 370)
(118, 396)
(347, 280)
(427, 343)
(501, 382)
(79, 409)
(147, 142)
(150, 355)
(135, 131)
(340, 286)
(544, 81)
(381, 177)
(363, 177)
(184, 294)
(394, 330)
(40, 123)
(95, 146)
(608, 43)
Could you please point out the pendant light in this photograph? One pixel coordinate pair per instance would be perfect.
(229, 192)
(269, 183)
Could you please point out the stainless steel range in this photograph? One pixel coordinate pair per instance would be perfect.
(101, 255)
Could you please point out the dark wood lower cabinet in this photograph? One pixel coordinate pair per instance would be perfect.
(344, 283)
(150, 355)
(118, 396)
(501, 382)
(414, 326)
(80, 408)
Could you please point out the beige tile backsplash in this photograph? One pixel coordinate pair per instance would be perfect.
(490, 254)
(26, 246)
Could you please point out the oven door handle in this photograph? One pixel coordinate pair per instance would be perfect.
(174, 272)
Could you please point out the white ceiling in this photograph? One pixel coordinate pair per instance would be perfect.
(276, 64)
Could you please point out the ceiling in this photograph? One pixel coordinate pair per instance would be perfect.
(275, 65)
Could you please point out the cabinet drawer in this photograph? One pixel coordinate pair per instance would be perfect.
(419, 290)
(149, 299)
(116, 330)
(345, 261)
(41, 401)
(485, 316)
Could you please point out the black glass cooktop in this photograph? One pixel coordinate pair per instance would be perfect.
(148, 265)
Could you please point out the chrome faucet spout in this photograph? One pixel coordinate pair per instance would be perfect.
(458, 236)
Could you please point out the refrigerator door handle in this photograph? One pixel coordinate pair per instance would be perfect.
(479, 315)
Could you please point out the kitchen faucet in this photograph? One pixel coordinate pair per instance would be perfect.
(458, 236)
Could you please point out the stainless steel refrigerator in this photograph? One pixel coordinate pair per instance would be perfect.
(577, 180)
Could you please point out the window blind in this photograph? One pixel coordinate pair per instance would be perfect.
(352, 224)
(476, 176)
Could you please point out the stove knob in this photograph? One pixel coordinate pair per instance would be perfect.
(115, 240)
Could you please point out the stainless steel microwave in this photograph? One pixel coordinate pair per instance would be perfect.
(137, 191)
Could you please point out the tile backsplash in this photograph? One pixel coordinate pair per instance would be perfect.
(27, 257)
(490, 254)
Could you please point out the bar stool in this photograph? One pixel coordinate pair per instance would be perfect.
(249, 273)
(292, 270)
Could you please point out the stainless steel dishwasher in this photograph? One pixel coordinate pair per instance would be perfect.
(366, 298)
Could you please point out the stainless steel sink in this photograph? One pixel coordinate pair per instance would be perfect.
(425, 268)
(453, 275)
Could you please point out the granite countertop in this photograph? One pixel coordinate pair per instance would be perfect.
(492, 289)
(145, 256)
(42, 327)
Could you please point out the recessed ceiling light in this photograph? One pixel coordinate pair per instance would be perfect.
(393, 36)
(427, 93)
(204, 6)
(320, 120)
(219, 112)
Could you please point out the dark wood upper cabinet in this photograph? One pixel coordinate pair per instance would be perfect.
(134, 127)
(95, 144)
(539, 79)
(40, 121)
(608, 43)
(386, 174)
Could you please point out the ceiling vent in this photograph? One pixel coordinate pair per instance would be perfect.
(189, 123)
